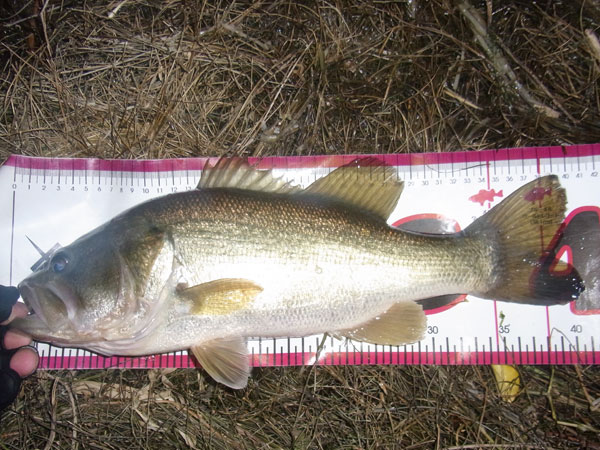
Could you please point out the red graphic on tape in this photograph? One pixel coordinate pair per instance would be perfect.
(486, 195)
(537, 194)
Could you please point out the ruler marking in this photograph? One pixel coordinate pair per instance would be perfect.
(544, 355)
(496, 322)
(12, 238)
(548, 328)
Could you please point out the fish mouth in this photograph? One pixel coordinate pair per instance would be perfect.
(51, 308)
(31, 300)
(48, 313)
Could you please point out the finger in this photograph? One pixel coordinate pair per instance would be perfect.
(18, 310)
(25, 361)
(15, 339)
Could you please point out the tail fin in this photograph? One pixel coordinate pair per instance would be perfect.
(521, 231)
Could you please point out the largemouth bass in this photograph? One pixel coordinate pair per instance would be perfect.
(247, 254)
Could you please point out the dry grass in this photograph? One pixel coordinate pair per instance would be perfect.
(156, 79)
(318, 407)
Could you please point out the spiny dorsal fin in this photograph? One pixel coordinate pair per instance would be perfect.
(226, 360)
(238, 174)
(374, 188)
(222, 296)
(403, 323)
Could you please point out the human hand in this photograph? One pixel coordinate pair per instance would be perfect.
(17, 359)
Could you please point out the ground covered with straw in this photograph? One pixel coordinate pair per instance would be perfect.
(158, 79)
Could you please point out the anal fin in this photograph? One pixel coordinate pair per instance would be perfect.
(225, 360)
(403, 323)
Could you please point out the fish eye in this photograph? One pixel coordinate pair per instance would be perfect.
(59, 262)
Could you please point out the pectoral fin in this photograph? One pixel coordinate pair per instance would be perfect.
(226, 360)
(403, 323)
(222, 296)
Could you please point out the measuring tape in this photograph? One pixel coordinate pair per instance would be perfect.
(57, 200)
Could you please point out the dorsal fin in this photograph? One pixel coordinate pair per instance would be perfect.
(363, 183)
(237, 173)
